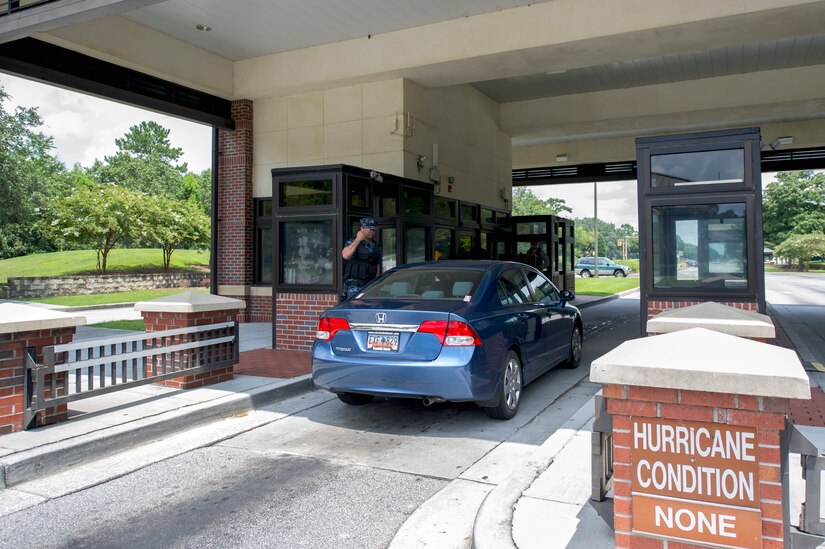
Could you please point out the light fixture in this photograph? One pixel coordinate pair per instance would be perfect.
(202, 27)
(561, 158)
(787, 140)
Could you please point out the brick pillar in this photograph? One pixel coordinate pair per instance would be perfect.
(235, 264)
(186, 310)
(697, 422)
(31, 328)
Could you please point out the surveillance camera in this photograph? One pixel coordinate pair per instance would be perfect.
(376, 176)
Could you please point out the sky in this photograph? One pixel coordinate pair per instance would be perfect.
(85, 128)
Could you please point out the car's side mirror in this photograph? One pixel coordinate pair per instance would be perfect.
(567, 295)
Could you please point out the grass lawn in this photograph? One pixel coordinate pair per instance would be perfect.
(133, 325)
(604, 285)
(85, 261)
(105, 299)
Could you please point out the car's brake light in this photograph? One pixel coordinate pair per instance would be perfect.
(451, 333)
(328, 326)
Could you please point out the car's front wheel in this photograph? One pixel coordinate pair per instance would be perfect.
(511, 385)
(586, 273)
(356, 399)
(618, 273)
(574, 358)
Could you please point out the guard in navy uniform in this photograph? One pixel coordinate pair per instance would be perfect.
(363, 257)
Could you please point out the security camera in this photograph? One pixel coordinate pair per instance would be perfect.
(376, 176)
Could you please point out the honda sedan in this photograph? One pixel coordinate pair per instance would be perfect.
(459, 331)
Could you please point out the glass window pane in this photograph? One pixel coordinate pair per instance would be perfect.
(469, 213)
(700, 246)
(358, 195)
(487, 216)
(306, 193)
(534, 227)
(388, 207)
(444, 207)
(466, 246)
(306, 252)
(265, 254)
(389, 259)
(416, 202)
(415, 239)
(443, 244)
(431, 283)
(265, 208)
(698, 168)
(513, 288)
(543, 289)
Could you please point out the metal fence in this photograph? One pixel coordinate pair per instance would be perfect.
(74, 371)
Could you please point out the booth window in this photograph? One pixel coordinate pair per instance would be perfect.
(469, 213)
(317, 192)
(532, 227)
(443, 244)
(389, 258)
(415, 239)
(444, 207)
(263, 241)
(719, 167)
(416, 202)
(700, 246)
(306, 254)
(359, 193)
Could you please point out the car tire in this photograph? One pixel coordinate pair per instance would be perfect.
(586, 273)
(510, 389)
(574, 358)
(355, 399)
(619, 273)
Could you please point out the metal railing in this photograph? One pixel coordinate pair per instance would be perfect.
(74, 371)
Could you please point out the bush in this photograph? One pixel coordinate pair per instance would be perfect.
(800, 249)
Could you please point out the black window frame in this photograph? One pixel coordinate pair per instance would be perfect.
(276, 269)
(262, 222)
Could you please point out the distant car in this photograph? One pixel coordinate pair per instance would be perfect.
(585, 267)
(457, 331)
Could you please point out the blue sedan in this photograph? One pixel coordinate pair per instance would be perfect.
(457, 331)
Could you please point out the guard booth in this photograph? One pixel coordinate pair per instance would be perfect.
(313, 211)
(700, 221)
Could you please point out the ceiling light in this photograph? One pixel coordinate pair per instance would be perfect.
(551, 73)
(785, 140)
(561, 158)
(202, 27)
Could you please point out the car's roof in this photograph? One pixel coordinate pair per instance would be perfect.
(470, 264)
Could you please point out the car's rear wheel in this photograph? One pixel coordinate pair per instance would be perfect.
(511, 385)
(618, 273)
(586, 273)
(356, 399)
(575, 356)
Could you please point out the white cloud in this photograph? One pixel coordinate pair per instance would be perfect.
(616, 200)
(85, 127)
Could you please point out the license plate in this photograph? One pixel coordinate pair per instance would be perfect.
(382, 341)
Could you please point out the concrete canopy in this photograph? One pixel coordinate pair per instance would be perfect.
(594, 74)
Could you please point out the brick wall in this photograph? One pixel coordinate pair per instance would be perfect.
(12, 375)
(48, 286)
(766, 415)
(258, 309)
(297, 318)
(235, 206)
(657, 306)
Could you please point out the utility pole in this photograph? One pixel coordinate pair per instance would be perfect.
(595, 228)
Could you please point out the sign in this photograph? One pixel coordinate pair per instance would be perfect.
(696, 482)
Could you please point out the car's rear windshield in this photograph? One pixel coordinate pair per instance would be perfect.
(449, 284)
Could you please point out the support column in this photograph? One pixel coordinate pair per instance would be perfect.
(235, 216)
(698, 419)
(25, 329)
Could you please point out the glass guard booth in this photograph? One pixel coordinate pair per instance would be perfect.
(700, 220)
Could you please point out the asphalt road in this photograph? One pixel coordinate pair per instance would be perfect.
(799, 302)
(321, 473)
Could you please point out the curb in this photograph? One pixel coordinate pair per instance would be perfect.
(56, 456)
(78, 308)
(606, 298)
(493, 526)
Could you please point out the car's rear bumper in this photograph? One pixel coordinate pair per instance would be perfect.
(458, 374)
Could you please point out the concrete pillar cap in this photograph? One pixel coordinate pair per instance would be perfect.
(19, 317)
(713, 316)
(190, 302)
(699, 359)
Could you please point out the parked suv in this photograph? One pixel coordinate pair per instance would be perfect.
(585, 267)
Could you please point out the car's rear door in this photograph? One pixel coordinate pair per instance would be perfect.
(529, 317)
(558, 320)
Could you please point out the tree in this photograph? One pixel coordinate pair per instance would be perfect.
(525, 202)
(145, 162)
(794, 204)
(178, 224)
(800, 249)
(29, 177)
(99, 217)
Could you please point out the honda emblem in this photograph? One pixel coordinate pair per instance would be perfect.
(381, 318)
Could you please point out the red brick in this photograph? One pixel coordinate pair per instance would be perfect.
(747, 402)
(622, 540)
(703, 398)
(772, 529)
(631, 408)
(777, 405)
(652, 394)
(756, 419)
(640, 542)
(621, 423)
(769, 455)
(768, 437)
(622, 523)
(623, 506)
(622, 439)
(772, 544)
(621, 455)
(770, 491)
(691, 413)
(621, 487)
(615, 391)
